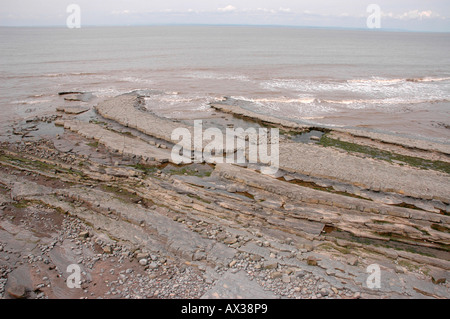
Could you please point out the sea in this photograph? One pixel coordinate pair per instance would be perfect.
(392, 82)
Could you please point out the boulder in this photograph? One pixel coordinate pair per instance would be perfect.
(17, 292)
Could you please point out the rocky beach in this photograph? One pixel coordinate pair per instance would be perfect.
(94, 184)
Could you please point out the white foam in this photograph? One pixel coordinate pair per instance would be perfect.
(136, 80)
(24, 102)
(56, 75)
(217, 76)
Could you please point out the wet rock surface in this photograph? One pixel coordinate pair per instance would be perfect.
(72, 109)
(137, 226)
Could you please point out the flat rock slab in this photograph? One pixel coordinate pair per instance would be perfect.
(21, 190)
(439, 276)
(237, 286)
(179, 240)
(399, 140)
(122, 110)
(326, 208)
(80, 97)
(4, 199)
(63, 256)
(72, 109)
(241, 112)
(254, 249)
(237, 110)
(18, 239)
(119, 143)
(366, 173)
(19, 284)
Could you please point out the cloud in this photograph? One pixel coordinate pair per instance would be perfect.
(228, 8)
(413, 15)
(120, 12)
(285, 10)
(265, 10)
(416, 14)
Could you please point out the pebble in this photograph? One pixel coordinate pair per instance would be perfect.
(140, 256)
(311, 261)
(230, 240)
(324, 292)
(286, 279)
(399, 270)
(352, 260)
(83, 234)
(276, 275)
(255, 258)
(17, 292)
(164, 276)
(231, 189)
(270, 265)
(153, 265)
(143, 262)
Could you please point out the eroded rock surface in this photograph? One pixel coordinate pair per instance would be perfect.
(140, 227)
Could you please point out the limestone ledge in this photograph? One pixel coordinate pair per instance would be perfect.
(364, 172)
(382, 138)
(117, 142)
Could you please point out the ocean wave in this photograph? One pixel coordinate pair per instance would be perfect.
(41, 95)
(385, 101)
(307, 100)
(311, 117)
(170, 100)
(36, 95)
(361, 85)
(109, 92)
(24, 102)
(56, 75)
(178, 100)
(45, 75)
(281, 100)
(217, 76)
(378, 80)
(136, 80)
(316, 107)
(309, 106)
(373, 91)
(428, 79)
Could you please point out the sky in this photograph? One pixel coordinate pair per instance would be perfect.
(409, 15)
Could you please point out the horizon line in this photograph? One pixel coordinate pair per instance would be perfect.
(230, 25)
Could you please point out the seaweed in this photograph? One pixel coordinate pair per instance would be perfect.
(417, 162)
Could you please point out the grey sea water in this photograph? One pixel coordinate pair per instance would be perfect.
(395, 82)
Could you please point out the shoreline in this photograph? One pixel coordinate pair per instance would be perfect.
(107, 184)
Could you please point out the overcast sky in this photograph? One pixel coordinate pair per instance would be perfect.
(415, 15)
